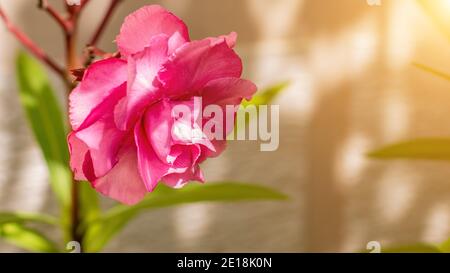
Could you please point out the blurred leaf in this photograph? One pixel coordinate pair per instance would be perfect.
(263, 97)
(266, 96)
(431, 149)
(47, 123)
(414, 248)
(433, 71)
(445, 246)
(114, 220)
(21, 218)
(26, 238)
(89, 206)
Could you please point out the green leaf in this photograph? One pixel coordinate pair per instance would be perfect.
(114, 220)
(26, 238)
(445, 246)
(430, 149)
(433, 71)
(266, 96)
(414, 248)
(47, 123)
(89, 206)
(21, 218)
(89, 203)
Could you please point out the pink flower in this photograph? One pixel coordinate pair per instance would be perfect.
(125, 138)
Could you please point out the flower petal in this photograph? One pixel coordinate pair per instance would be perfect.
(100, 80)
(139, 28)
(179, 180)
(151, 168)
(195, 64)
(230, 39)
(78, 152)
(227, 91)
(142, 70)
(102, 137)
(158, 123)
(123, 182)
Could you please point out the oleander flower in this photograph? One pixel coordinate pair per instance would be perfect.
(126, 138)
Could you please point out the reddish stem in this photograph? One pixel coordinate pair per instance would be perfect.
(43, 4)
(31, 46)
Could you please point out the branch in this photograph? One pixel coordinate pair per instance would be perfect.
(98, 33)
(43, 4)
(75, 10)
(31, 46)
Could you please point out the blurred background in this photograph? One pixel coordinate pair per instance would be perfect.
(353, 88)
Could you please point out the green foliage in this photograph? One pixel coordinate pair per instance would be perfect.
(13, 229)
(414, 248)
(266, 96)
(46, 120)
(49, 127)
(21, 218)
(429, 148)
(89, 205)
(26, 238)
(115, 219)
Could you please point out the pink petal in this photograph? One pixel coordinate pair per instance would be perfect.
(227, 92)
(102, 137)
(123, 182)
(184, 157)
(195, 64)
(219, 147)
(142, 70)
(140, 27)
(151, 168)
(100, 80)
(78, 151)
(176, 41)
(179, 180)
(160, 127)
(104, 141)
(230, 39)
(158, 123)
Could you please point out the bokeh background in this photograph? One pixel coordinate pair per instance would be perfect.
(353, 89)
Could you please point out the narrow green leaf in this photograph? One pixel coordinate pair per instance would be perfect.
(429, 149)
(21, 218)
(266, 96)
(433, 71)
(89, 206)
(47, 123)
(414, 248)
(26, 238)
(114, 220)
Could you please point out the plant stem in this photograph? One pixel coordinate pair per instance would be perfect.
(43, 4)
(73, 62)
(31, 46)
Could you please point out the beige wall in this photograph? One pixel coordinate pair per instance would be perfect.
(353, 89)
